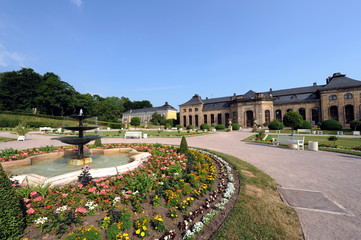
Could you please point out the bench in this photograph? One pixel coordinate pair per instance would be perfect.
(299, 141)
(21, 138)
(303, 130)
(356, 133)
(133, 134)
(45, 129)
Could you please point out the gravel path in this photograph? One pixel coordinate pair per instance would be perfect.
(336, 175)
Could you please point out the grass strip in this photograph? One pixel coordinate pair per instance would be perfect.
(259, 212)
(3, 139)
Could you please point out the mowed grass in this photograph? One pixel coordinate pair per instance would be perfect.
(3, 139)
(151, 133)
(259, 212)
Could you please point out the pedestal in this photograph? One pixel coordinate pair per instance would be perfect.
(78, 162)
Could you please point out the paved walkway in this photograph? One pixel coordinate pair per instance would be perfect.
(336, 175)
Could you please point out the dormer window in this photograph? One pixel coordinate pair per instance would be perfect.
(348, 96)
(333, 97)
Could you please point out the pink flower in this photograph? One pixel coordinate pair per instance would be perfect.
(38, 199)
(32, 194)
(26, 200)
(80, 210)
(103, 192)
(105, 186)
(80, 185)
(126, 196)
(92, 189)
(28, 205)
(129, 192)
(64, 194)
(30, 211)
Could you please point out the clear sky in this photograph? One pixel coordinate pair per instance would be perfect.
(168, 50)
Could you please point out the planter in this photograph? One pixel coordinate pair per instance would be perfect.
(312, 146)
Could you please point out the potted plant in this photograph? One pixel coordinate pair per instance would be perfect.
(21, 130)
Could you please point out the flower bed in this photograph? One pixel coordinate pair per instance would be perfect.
(172, 196)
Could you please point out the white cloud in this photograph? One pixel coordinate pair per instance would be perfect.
(78, 3)
(8, 58)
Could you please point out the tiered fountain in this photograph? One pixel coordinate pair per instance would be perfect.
(80, 140)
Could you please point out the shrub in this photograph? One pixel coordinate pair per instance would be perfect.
(292, 119)
(178, 126)
(98, 142)
(355, 125)
(220, 127)
(331, 125)
(183, 148)
(189, 127)
(11, 215)
(205, 126)
(333, 138)
(21, 129)
(236, 126)
(304, 125)
(275, 125)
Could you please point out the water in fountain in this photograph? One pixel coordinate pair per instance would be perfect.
(79, 140)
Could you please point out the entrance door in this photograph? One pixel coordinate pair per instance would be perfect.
(249, 118)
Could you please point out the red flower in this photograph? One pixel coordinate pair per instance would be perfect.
(38, 199)
(30, 211)
(80, 210)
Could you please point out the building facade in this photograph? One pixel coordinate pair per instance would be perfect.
(339, 99)
(145, 114)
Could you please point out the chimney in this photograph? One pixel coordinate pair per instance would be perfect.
(315, 84)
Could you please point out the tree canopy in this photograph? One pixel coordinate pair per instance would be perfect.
(28, 91)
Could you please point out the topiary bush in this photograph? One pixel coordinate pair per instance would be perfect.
(11, 211)
(183, 148)
(304, 125)
(236, 126)
(276, 125)
(220, 127)
(205, 126)
(330, 125)
(189, 127)
(355, 125)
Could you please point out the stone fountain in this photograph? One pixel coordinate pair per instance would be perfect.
(80, 140)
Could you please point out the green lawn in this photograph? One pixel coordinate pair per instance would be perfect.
(345, 131)
(2, 139)
(151, 133)
(259, 212)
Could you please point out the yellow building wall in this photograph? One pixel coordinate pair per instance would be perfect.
(171, 115)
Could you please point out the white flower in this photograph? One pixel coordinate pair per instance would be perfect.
(41, 220)
(91, 205)
(116, 200)
(188, 235)
(61, 209)
(198, 227)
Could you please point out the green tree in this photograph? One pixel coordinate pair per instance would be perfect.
(11, 215)
(158, 119)
(292, 119)
(135, 121)
(333, 138)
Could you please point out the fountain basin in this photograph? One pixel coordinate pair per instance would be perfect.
(136, 159)
(72, 140)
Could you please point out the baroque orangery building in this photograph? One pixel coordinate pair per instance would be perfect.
(339, 99)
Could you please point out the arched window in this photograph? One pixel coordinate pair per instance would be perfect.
(196, 109)
(196, 120)
(348, 96)
(212, 118)
(289, 110)
(190, 110)
(334, 113)
(349, 113)
(226, 117)
(333, 97)
(190, 120)
(302, 112)
(279, 115)
(184, 121)
(267, 116)
(315, 115)
(234, 117)
(219, 118)
(205, 118)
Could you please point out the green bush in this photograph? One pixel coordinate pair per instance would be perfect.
(205, 126)
(183, 148)
(304, 125)
(236, 126)
(355, 125)
(189, 127)
(98, 143)
(11, 211)
(178, 126)
(331, 125)
(292, 119)
(276, 125)
(220, 127)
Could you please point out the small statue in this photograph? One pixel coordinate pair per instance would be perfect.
(81, 112)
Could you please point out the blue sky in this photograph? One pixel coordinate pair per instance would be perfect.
(168, 50)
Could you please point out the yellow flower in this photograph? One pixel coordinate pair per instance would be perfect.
(142, 234)
(144, 228)
(138, 231)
